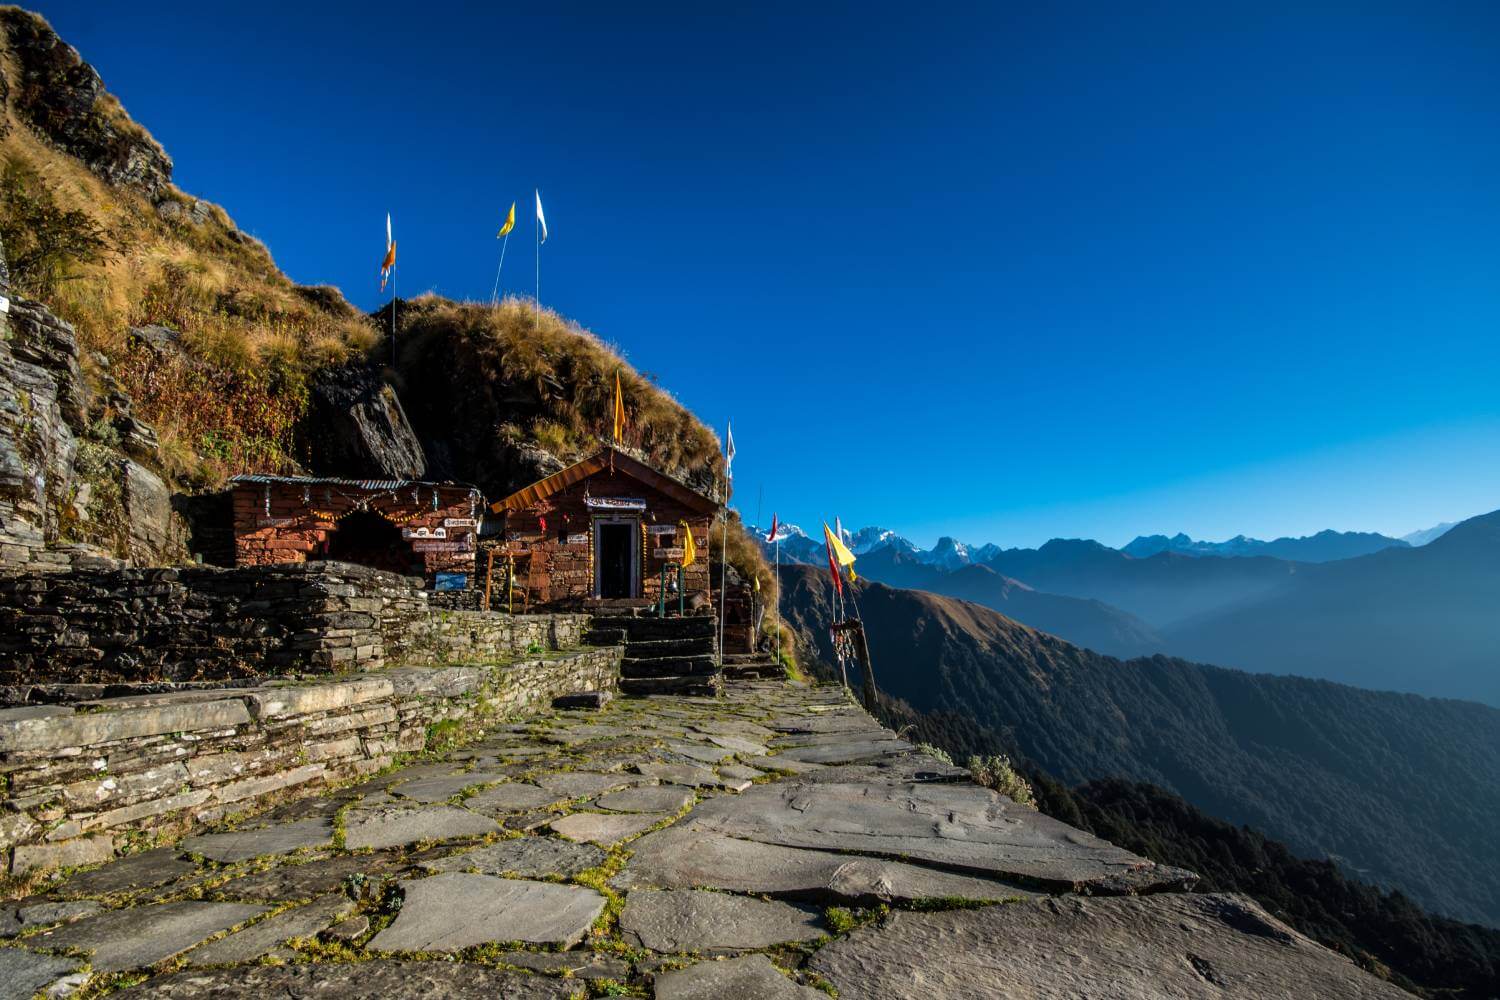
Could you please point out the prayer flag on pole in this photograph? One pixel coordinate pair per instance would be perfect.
(541, 219)
(837, 548)
(509, 224)
(775, 529)
(689, 547)
(619, 411)
(833, 570)
(729, 448)
(390, 253)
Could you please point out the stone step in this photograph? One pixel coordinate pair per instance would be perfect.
(700, 644)
(604, 637)
(764, 669)
(669, 666)
(708, 686)
(660, 628)
(582, 699)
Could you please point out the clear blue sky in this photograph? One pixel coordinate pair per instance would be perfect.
(1007, 271)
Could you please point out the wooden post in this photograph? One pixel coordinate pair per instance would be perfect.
(856, 628)
(489, 572)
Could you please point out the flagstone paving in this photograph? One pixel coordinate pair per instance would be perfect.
(680, 847)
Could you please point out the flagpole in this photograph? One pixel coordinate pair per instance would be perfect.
(539, 262)
(777, 535)
(495, 295)
(393, 317)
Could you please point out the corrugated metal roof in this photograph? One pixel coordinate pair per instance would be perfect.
(363, 484)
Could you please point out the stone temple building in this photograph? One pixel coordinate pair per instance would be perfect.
(407, 527)
(603, 531)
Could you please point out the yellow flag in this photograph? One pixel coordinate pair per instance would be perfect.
(510, 222)
(689, 547)
(619, 410)
(839, 549)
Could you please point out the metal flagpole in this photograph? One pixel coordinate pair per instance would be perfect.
(495, 295)
(539, 264)
(777, 540)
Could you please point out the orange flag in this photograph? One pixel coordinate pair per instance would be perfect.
(390, 254)
(619, 410)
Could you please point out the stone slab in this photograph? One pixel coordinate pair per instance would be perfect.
(512, 797)
(584, 784)
(708, 755)
(454, 910)
(394, 826)
(373, 980)
(141, 936)
(529, 857)
(957, 826)
(274, 702)
(605, 830)
(286, 883)
(651, 798)
(678, 920)
(136, 871)
(51, 732)
(441, 789)
(241, 845)
(23, 973)
(260, 938)
(751, 977)
(682, 858)
(846, 753)
(1131, 948)
(680, 774)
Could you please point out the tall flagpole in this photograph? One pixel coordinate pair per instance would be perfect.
(539, 261)
(777, 539)
(495, 295)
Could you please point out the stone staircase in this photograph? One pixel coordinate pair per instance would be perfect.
(662, 655)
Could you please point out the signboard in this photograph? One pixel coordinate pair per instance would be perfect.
(4, 304)
(275, 522)
(450, 581)
(458, 522)
(614, 503)
(582, 539)
(437, 545)
(424, 532)
(661, 529)
(666, 553)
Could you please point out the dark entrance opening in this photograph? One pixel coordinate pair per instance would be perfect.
(368, 539)
(615, 553)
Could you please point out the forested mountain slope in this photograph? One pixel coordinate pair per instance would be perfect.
(1401, 789)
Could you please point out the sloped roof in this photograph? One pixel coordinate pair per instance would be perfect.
(606, 458)
(363, 484)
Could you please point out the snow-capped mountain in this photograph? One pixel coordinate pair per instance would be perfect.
(948, 553)
(870, 539)
(1428, 534)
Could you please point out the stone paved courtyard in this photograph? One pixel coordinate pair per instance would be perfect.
(774, 843)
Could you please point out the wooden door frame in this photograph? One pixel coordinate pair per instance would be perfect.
(634, 521)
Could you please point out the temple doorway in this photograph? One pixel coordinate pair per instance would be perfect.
(616, 561)
(367, 539)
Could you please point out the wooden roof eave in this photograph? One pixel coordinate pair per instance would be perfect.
(599, 462)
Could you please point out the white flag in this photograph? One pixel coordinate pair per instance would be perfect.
(541, 220)
(729, 448)
(838, 528)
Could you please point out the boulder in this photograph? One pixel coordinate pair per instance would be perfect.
(355, 427)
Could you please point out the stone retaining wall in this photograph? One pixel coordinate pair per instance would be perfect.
(203, 624)
(81, 782)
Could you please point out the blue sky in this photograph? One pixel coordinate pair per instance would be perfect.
(1005, 271)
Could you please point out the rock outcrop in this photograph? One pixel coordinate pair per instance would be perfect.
(355, 427)
(62, 97)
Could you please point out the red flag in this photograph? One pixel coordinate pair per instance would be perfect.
(833, 571)
(774, 528)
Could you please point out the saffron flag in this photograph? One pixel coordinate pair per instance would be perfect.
(689, 547)
(836, 547)
(541, 220)
(510, 222)
(775, 529)
(390, 253)
(619, 413)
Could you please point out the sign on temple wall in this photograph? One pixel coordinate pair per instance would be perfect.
(581, 539)
(666, 554)
(459, 522)
(424, 532)
(661, 529)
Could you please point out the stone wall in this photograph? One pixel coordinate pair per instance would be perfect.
(81, 782)
(207, 624)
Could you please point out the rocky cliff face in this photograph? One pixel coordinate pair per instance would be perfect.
(67, 485)
(356, 427)
(63, 98)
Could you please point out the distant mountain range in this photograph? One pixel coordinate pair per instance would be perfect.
(1322, 547)
(1418, 618)
(1401, 789)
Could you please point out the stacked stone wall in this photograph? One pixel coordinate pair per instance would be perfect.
(108, 626)
(84, 781)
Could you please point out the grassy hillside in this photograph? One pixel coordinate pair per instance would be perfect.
(1402, 790)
